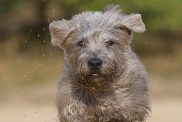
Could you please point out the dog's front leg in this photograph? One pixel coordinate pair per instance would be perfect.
(76, 112)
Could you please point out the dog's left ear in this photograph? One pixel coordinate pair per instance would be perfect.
(133, 22)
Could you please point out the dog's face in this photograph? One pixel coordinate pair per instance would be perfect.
(95, 43)
(94, 53)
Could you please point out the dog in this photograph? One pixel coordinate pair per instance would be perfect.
(102, 79)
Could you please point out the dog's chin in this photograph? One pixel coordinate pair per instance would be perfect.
(95, 77)
(90, 76)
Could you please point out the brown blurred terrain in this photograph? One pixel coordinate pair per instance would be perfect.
(28, 86)
(30, 66)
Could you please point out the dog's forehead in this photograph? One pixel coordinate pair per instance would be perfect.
(95, 23)
(95, 20)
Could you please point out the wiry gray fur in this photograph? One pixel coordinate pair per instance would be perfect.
(119, 92)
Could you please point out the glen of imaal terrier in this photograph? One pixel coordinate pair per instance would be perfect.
(102, 80)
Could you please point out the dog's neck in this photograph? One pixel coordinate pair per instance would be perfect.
(90, 94)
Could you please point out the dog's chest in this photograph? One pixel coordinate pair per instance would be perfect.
(100, 113)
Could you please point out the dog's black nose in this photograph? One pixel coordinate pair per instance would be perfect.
(94, 63)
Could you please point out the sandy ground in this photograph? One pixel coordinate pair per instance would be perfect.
(168, 110)
(27, 87)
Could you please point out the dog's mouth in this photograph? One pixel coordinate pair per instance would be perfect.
(95, 74)
(95, 79)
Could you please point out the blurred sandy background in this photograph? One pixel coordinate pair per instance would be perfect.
(30, 66)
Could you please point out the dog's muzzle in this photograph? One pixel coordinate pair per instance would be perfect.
(95, 65)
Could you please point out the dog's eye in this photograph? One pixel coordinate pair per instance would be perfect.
(109, 43)
(81, 43)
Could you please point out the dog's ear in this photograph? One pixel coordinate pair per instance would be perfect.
(60, 32)
(134, 23)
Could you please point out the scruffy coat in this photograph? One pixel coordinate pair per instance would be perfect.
(119, 94)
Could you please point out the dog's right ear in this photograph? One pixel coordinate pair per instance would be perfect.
(60, 32)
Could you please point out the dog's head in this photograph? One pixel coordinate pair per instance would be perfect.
(96, 43)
